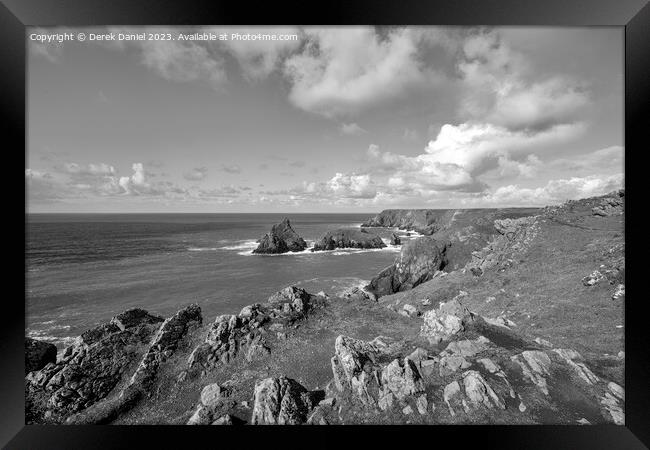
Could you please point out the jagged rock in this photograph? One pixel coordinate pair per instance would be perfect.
(357, 293)
(418, 262)
(38, 354)
(418, 355)
(619, 292)
(593, 278)
(395, 240)
(347, 238)
(444, 322)
(409, 310)
(317, 417)
(134, 317)
(281, 239)
(543, 342)
(355, 369)
(515, 236)
(613, 407)
(402, 378)
(500, 321)
(163, 346)
(569, 357)
(91, 368)
(479, 392)
(296, 297)
(466, 347)
(223, 420)
(280, 401)
(450, 364)
(609, 206)
(535, 366)
(211, 394)
(450, 392)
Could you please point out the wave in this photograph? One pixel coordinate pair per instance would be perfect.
(202, 249)
(249, 244)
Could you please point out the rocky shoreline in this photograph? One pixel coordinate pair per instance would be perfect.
(447, 334)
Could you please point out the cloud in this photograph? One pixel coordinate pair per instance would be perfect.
(410, 135)
(196, 174)
(342, 71)
(501, 89)
(90, 169)
(259, 58)
(554, 192)
(183, 62)
(231, 168)
(263, 166)
(297, 164)
(351, 129)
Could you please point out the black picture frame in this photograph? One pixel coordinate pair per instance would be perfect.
(633, 15)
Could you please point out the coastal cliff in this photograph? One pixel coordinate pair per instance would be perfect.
(500, 339)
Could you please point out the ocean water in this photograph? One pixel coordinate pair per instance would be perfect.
(84, 269)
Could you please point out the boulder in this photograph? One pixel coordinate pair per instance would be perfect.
(281, 239)
(347, 238)
(38, 354)
(355, 369)
(280, 401)
(418, 262)
(357, 293)
(442, 323)
(395, 240)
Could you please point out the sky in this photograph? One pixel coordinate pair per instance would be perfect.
(346, 119)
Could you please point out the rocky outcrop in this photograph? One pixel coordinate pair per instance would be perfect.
(445, 321)
(214, 407)
(357, 293)
(90, 369)
(515, 237)
(347, 238)
(38, 354)
(359, 374)
(610, 205)
(247, 332)
(395, 240)
(281, 239)
(281, 401)
(418, 262)
(162, 347)
(423, 221)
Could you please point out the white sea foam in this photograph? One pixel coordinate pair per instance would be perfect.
(249, 244)
(202, 249)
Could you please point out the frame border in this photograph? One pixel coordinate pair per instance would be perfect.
(633, 15)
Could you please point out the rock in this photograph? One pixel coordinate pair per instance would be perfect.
(280, 401)
(347, 238)
(407, 410)
(298, 298)
(593, 278)
(395, 240)
(423, 221)
(134, 317)
(450, 392)
(570, 357)
(418, 262)
(38, 354)
(617, 390)
(427, 367)
(535, 366)
(619, 292)
(510, 227)
(410, 310)
(450, 364)
(281, 239)
(357, 293)
(444, 322)
(609, 206)
(466, 347)
(163, 346)
(90, 369)
(422, 404)
(613, 407)
(223, 420)
(328, 402)
(543, 342)
(418, 355)
(355, 370)
(402, 378)
(479, 392)
(500, 321)
(211, 394)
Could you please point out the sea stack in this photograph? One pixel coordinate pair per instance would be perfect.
(281, 239)
(348, 238)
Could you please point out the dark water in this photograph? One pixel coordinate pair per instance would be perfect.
(84, 269)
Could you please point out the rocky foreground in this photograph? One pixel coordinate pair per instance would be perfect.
(525, 329)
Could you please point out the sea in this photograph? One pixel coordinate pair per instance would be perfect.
(83, 269)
